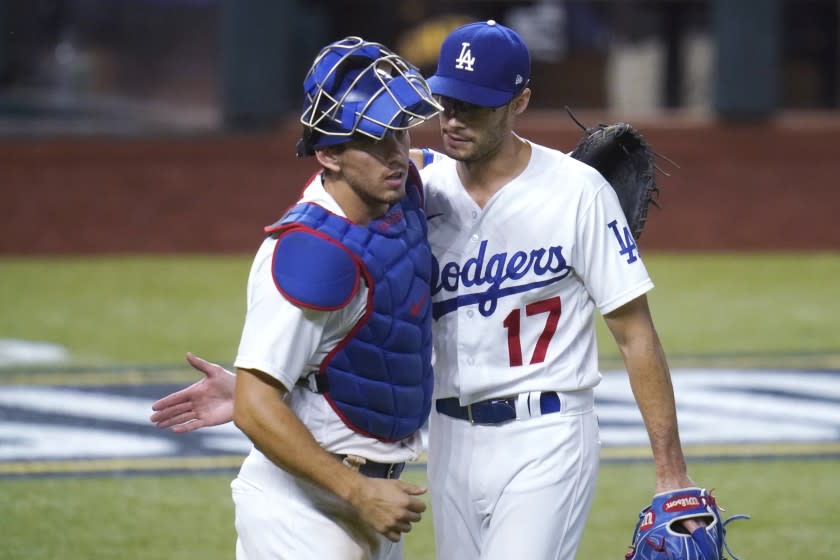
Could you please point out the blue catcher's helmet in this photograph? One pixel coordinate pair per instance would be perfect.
(355, 88)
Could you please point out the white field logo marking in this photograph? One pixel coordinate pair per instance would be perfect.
(726, 407)
(58, 423)
(730, 406)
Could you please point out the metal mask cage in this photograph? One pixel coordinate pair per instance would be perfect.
(359, 87)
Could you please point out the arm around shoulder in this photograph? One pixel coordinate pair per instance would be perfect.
(418, 156)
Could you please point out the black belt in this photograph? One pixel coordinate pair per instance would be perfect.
(373, 469)
(494, 411)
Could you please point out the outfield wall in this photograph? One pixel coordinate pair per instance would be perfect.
(748, 186)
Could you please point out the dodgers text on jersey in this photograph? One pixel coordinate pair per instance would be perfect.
(499, 272)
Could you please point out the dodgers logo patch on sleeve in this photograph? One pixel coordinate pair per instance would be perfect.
(626, 242)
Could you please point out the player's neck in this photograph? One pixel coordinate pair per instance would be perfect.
(485, 177)
(358, 209)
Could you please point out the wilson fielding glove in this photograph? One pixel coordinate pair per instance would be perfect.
(659, 534)
(620, 153)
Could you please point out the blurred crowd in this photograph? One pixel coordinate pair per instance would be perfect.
(624, 55)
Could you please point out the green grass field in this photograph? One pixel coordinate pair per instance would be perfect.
(150, 310)
(766, 310)
(792, 503)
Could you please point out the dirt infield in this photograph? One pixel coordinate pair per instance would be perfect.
(765, 186)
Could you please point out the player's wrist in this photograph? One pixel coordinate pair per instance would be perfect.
(225, 412)
(350, 486)
(673, 481)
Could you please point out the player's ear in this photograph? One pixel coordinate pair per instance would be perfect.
(329, 159)
(520, 102)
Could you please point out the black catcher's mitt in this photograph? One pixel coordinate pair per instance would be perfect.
(660, 535)
(625, 160)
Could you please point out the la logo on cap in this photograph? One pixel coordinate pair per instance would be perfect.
(465, 60)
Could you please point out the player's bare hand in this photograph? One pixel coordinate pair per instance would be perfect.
(692, 524)
(208, 402)
(389, 506)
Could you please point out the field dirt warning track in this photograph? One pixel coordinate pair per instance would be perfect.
(768, 186)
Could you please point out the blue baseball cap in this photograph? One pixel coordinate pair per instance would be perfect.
(482, 63)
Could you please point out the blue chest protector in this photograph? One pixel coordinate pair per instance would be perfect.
(379, 378)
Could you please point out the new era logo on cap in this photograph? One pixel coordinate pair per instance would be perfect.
(482, 63)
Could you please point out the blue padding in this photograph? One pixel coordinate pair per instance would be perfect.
(430, 156)
(314, 272)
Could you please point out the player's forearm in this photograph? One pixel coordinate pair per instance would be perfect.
(279, 434)
(650, 381)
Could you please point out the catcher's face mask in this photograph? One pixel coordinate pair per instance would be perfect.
(356, 88)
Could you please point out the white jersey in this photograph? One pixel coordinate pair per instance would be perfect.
(516, 282)
(288, 342)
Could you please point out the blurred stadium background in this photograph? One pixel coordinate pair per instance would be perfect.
(144, 144)
(193, 103)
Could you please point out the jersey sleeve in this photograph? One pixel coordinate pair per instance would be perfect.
(612, 269)
(278, 337)
(282, 339)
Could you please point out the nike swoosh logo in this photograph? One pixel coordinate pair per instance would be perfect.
(418, 306)
(433, 216)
